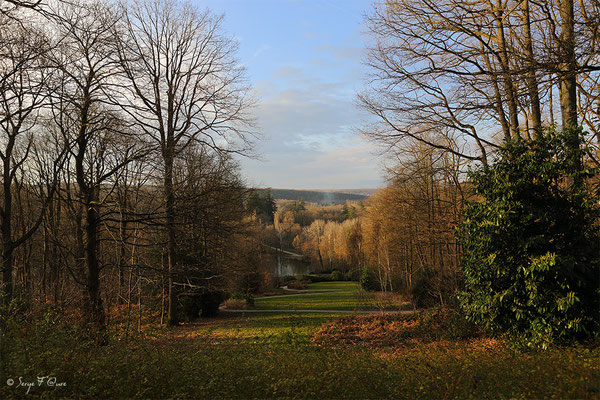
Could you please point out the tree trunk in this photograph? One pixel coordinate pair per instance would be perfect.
(567, 66)
(6, 224)
(532, 85)
(568, 85)
(513, 110)
(94, 306)
(171, 245)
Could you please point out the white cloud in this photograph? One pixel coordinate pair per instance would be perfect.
(311, 125)
(261, 50)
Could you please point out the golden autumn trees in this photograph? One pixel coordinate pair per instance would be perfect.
(408, 228)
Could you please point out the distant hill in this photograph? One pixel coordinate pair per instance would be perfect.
(321, 196)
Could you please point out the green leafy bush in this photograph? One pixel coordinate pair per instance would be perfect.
(337, 276)
(531, 245)
(367, 280)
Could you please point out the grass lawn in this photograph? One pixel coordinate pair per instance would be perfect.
(330, 296)
(272, 356)
(346, 286)
(321, 301)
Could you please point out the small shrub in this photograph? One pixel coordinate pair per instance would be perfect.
(367, 280)
(210, 302)
(337, 276)
(298, 285)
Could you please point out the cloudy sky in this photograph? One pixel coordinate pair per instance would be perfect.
(303, 58)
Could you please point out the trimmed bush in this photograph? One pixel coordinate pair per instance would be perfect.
(367, 280)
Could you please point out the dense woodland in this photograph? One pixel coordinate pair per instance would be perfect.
(121, 195)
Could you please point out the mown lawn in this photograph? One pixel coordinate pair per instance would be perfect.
(321, 301)
(337, 285)
(330, 296)
(272, 356)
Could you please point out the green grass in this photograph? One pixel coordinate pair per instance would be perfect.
(346, 286)
(321, 296)
(271, 356)
(321, 301)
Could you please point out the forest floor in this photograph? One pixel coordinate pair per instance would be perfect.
(427, 355)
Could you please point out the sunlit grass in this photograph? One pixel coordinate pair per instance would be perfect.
(345, 296)
(272, 356)
(256, 327)
(321, 301)
(346, 286)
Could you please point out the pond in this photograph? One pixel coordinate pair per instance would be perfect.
(285, 265)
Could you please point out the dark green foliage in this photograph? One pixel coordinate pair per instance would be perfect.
(248, 298)
(337, 276)
(297, 207)
(367, 280)
(531, 245)
(210, 302)
(349, 211)
(263, 204)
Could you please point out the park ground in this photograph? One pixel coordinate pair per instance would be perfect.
(270, 353)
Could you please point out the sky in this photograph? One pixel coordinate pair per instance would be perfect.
(304, 61)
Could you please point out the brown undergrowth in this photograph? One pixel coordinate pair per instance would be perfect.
(395, 330)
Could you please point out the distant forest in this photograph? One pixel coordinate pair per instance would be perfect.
(314, 196)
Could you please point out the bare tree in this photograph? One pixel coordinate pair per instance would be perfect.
(97, 134)
(451, 73)
(187, 88)
(23, 92)
(8, 8)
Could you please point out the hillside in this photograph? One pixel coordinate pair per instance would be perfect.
(317, 196)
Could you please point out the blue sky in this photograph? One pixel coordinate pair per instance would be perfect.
(303, 59)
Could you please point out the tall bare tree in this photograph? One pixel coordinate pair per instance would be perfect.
(187, 88)
(23, 92)
(97, 134)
